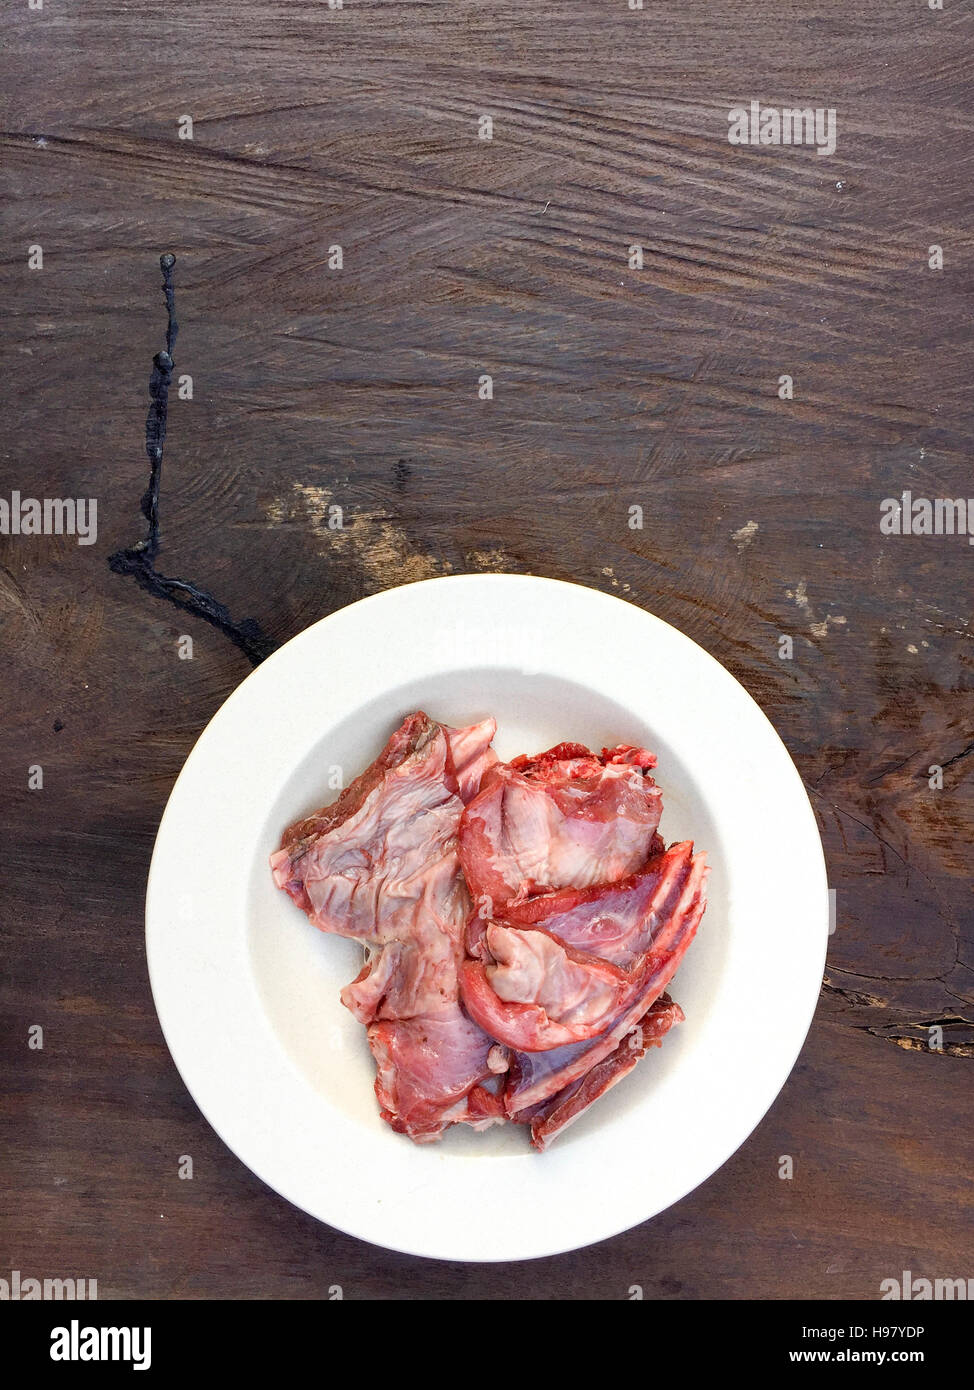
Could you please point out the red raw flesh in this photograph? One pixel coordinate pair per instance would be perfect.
(537, 993)
(533, 1003)
(381, 865)
(615, 921)
(471, 755)
(535, 1077)
(559, 981)
(428, 1074)
(550, 1118)
(566, 819)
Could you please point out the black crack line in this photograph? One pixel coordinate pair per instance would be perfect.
(957, 757)
(139, 560)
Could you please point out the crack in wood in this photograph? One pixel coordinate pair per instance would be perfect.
(900, 1034)
(957, 757)
(914, 1037)
(138, 560)
(874, 781)
(871, 1001)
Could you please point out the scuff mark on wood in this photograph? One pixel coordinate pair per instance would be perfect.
(376, 543)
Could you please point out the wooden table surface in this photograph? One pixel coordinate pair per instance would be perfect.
(613, 387)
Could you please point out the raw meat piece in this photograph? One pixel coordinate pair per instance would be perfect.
(428, 1074)
(565, 819)
(537, 1076)
(548, 1119)
(559, 982)
(359, 866)
(580, 920)
(381, 865)
(614, 920)
(537, 994)
(471, 755)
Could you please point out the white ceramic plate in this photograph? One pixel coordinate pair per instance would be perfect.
(247, 990)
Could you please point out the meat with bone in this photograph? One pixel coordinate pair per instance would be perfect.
(615, 921)
(537, 1076)
(551, 1117)
(538, 991)
(565, 819)
(581, 920)
(554, 1075)
(381, 865)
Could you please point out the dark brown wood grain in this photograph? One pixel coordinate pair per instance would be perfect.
(612, 387)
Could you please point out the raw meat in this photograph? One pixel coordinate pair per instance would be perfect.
(549, 1118)
(614, 920)
(381, 865)
(428, 1074)
(539, 982)
(566, 819)
(536, 993)
(521, 923)
(471, 755)
(535, 1077)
